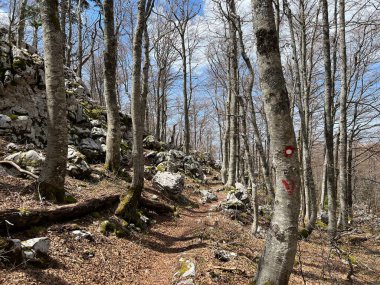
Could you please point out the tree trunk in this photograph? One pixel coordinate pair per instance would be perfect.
(69, 36)
(21, 23)
(303, 107)
(110, 61)
(233, 104)
(63, 21)
(276, 262)
(80, 44)
(343, 119)
(185, 97)
(52, 179)
(127, 208)
(329, 123)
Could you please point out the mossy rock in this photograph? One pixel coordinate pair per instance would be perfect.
(94, 113)
(114, 226)
(320, 224)
(19, 63)
(13, 117)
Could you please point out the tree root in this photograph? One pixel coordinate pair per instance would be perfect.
(23, 219)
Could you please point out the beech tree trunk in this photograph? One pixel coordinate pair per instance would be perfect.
(80, 43)
(127, 208)
(233, 104)
(21, 23)
(110, 62)
(343, 119)
(276, 262)
(329, 123)
(52, 179)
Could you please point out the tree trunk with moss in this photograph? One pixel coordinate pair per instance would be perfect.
(276, 262)
(110, 61)
(52, 179)
(127, 208)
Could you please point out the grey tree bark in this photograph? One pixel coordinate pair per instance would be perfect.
(234, 90)
(110, 61)
(303, 107)
(276, 262)
(329, 123)
(80, 43)
(127, 208)
(21, 23)
(343, 119)
(64, 8)
(52, 178)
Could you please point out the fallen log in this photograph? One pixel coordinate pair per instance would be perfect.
(23, 219)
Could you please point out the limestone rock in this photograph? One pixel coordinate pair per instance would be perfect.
(38, 245)
(207, 196)
(30, 160)
(172, 183)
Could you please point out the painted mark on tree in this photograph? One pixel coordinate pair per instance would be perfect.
(289, 151)
(289, 186)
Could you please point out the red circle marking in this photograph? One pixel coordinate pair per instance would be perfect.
(289, 151)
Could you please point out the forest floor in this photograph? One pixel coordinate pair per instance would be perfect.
(151, 257)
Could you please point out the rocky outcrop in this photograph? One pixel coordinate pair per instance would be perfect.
(23, 111)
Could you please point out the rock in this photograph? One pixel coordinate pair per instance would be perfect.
(13, 147)
(38, 245)
(76, 163)
(172, 183)
(151, 143)
(98, 132)
(176, 154)
(91, 149)
(186, 271)
(81, 234)
(192, 167)
(325, 217)
(30, 160)
(232, 202)
(224, 255)
(5, 122)
(208, 197)
(149, 172)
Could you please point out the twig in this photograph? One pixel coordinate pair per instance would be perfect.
(11, 163)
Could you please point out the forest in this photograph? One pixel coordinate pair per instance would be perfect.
(175, 142)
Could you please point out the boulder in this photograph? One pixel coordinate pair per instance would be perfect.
(232, 202)
(37, 245)
(172, 183)
(150, 142)
(30, 160)
(76, 163)
(91, 149)
(207, 196)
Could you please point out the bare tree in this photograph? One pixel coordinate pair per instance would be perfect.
(128, 206)
(110, 62)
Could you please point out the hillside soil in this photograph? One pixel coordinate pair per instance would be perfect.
(152, 255)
